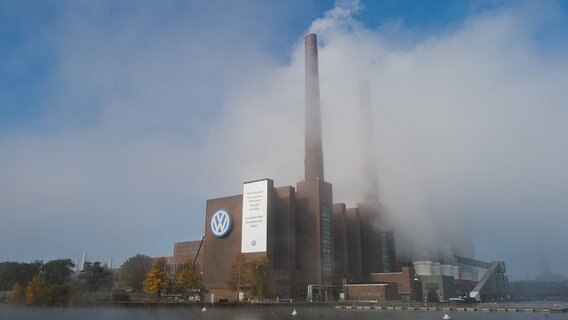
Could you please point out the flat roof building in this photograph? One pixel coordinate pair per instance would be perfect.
(185, 252)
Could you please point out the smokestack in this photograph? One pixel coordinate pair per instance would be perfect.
(314, 153)
(83, 260)
(370, 166)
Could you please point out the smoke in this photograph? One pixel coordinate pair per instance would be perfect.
(457, 121)
(140, 125)
(466, 127)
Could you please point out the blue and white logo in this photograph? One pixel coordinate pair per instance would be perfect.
(221, 223)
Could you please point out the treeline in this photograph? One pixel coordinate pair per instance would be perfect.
(55, 283)
(52, 283)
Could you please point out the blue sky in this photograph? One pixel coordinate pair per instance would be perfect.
(120, 119)
(29, 31)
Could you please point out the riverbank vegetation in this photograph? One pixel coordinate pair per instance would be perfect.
(61, 283)
(53, 283)
(140, 278)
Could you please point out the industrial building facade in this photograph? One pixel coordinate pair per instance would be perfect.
(308, 239)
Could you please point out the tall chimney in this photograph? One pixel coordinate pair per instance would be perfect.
(370, 169)
(314, 154)
(83, 260)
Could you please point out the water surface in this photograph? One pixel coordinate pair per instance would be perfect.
(24, 313)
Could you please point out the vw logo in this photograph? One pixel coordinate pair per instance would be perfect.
(221, 223)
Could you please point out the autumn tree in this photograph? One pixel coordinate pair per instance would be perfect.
(188, 278)
(254, 276)
(133, 271)
(239, 277)
(17, 272)
(157, 280)
(34, 291)
(38, 283)
(260, 272)
(16, 296)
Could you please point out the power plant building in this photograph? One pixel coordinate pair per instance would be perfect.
(320, 250)
(314, 244)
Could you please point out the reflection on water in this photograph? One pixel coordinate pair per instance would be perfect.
(20, 313)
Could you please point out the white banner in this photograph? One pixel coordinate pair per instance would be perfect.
(255, 212)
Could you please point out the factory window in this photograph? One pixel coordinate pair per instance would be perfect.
(385, 252)
(281, 277)
(325, 233)
(283, 291)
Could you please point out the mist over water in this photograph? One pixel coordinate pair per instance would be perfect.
(15, 313)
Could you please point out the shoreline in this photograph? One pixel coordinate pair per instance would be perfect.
(200, 305)
(343, 306)
(509, 309)
(528, 308)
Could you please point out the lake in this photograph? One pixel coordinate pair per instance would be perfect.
(24, 313)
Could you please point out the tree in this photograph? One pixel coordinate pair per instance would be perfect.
(188, 278)
(157, 280)
(16, 296)
(239, 276)
(34, 291)
(133, 271)
(44, 284)
(96, 276)
(16, 272)
(260, 271)
(254, 276)
(57, 272)
(56, 295)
